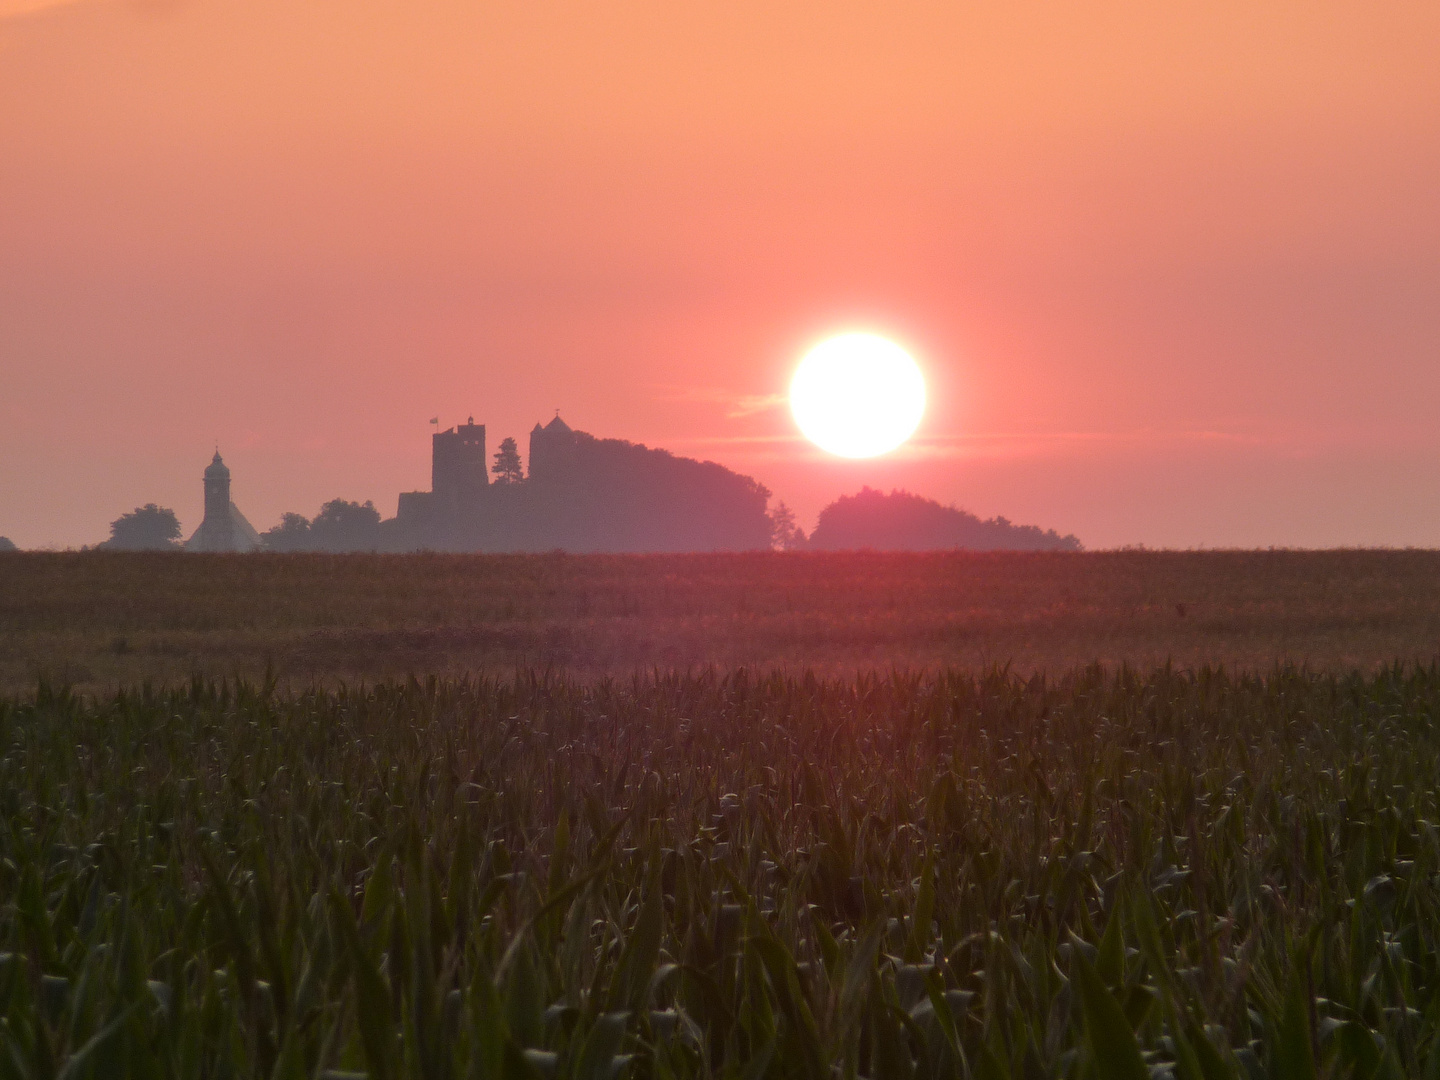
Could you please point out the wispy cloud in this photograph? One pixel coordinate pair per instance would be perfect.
(984, 444)
(735, 405)
(743, 440)
(981, 442)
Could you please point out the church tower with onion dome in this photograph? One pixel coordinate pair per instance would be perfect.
(217, 489)
(224, 528)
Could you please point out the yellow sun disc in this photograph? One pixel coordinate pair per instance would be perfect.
(857, 395)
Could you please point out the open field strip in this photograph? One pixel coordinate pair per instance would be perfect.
(102, 620)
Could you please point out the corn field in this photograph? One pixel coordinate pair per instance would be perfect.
(725, 874)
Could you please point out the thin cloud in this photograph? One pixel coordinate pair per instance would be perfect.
(1002, 444)
(740, 440)
(735, 405)
(989, 444)
(749, 405)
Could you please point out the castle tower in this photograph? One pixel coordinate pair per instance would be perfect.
(458, 472)
(224, 528)
(549, 449)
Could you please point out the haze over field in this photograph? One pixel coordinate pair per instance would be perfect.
(1172, 275)
(104, 620)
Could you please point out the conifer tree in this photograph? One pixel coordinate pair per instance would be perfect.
(507, 468)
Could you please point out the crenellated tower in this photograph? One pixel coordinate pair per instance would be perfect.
(458, 472)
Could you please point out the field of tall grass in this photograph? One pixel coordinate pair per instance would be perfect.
(1099, 874)
(102, 620)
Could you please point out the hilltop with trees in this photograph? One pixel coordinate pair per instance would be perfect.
(901, 521)
(581, 494)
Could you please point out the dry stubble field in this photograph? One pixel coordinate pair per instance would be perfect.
(99, 620)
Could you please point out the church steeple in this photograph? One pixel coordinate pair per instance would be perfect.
(217, 494)
(224, 527)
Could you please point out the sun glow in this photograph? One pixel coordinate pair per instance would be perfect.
(857, 395)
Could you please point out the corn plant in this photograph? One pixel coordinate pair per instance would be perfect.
(726, 874)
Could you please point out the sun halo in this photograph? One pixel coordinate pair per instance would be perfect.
(857, 395)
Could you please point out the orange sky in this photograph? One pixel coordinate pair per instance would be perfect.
(1173, 270)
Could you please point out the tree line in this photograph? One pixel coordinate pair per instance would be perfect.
(897, 521)
(340, 525)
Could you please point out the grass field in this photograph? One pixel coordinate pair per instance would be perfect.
(724, 876)
(102, 620)
(743, 817)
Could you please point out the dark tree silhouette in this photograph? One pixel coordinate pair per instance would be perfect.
(507, 468)
(146, 528)
(292, 534)
(901, 521)
(346, 526)
(589, 494)
(785, 533)
(6, 544)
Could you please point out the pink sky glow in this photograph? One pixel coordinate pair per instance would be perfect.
(1172, 271)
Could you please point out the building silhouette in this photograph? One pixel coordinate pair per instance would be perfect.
(458, 469)
(581, 494)
(224, 527)
(458, 476)
(551, 447)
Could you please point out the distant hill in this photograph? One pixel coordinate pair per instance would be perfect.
(6, 544)
(590, 494)
(901, 521)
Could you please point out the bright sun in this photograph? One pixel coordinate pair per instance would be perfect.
(857, 395)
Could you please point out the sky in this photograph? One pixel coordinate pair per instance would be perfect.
(1172, 270)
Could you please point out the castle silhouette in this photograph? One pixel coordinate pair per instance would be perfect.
(459, 474)
(581, 493)
(585, 494)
